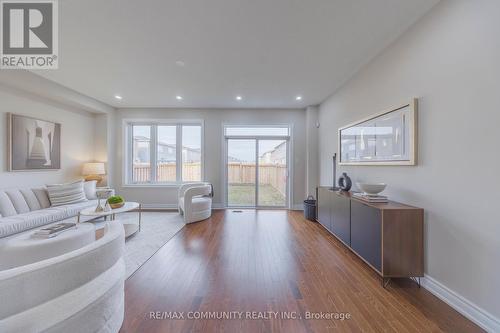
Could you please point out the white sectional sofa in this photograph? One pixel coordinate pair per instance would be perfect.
(24, 209)
(79, 291)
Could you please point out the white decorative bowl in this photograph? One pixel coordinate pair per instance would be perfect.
(371, 189)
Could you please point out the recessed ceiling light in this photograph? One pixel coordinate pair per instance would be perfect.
(178, 97)
(239, 98)
(180, 63)
(298, 98)
(118, 97)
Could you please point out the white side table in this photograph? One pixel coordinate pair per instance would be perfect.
(130, 227)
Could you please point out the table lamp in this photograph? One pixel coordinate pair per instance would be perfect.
(93, 171)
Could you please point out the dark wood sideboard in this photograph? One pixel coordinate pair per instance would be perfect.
(389, 237)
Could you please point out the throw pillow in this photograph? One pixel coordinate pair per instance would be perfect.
(43, 196)
(90, 189)
(66, 194)
(6, 206)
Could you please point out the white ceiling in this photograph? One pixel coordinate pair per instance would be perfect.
(267, 51)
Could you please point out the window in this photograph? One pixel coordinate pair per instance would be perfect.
(141, 153)
(163, 152)
(191, 153)
(166, 156)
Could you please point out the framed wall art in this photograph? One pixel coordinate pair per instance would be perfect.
(33, 144)
(386, 138)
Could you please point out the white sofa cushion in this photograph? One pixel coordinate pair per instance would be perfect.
(21, 249)
(18, 223)
(6, 206)
(80, 291)
(31, 199)
(14, 224)
(97, 306)
(18, 201)
(65, 194)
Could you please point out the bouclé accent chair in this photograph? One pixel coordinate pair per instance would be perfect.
(195, 201)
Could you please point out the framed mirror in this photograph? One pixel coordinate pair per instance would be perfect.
(387, 138)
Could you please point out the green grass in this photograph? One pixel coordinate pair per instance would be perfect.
(244, 195)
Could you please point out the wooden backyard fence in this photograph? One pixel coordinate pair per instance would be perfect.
(269, 174)
(237, 172)
(166, 172)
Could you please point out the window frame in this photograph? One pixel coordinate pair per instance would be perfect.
(235, 136)
(127, 162)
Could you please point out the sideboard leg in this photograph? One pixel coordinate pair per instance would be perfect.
(416, 280)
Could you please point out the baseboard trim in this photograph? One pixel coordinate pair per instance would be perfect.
(159, 206)
(173, 206)
(214, 206)
(481, 317)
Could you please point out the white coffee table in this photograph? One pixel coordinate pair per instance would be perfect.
(130, 227)
(23, 249)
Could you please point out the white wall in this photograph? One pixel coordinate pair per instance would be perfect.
(104, 144)
(29, 82)
(213, 121)
(450, 60)
(312, 149)
(76, 137)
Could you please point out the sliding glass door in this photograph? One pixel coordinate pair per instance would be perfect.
(272, 173)
(241, 165)
(257, 167)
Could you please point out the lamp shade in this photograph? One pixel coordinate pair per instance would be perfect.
(93, 169)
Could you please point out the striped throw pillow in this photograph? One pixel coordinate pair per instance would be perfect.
(66, 194)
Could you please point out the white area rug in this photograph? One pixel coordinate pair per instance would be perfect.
(157, 228)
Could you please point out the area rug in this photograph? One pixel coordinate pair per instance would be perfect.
(157, 228)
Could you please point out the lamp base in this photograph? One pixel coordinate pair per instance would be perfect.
(93, 177)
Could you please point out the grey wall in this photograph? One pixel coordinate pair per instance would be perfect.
(213, 121)
(76, 137)
(450, 60)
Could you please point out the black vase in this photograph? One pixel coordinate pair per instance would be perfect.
(345, 182)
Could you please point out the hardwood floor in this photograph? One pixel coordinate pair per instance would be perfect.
(273, 261)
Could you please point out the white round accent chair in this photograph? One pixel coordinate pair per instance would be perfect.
(195, 201)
